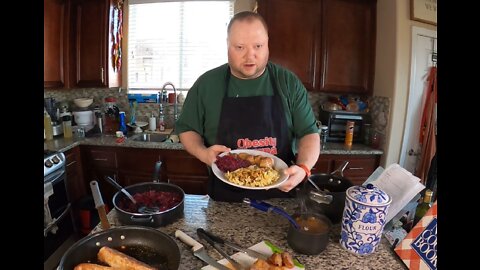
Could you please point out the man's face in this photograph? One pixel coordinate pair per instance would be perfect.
(247, 49)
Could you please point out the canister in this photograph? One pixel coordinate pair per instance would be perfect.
(363, 218)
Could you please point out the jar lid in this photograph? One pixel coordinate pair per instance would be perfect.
(323, 127)
(369, 195)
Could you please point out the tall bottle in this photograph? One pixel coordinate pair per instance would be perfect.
(349, 133)
(161, 119)
(123, 124)
(47, 125)
(423, 207)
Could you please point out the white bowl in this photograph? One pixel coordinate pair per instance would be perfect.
(83, 102)
(83, 118)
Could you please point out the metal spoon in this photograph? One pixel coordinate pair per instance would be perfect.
(141, 209)
(120, 188)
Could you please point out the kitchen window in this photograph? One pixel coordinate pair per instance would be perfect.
(175, 41)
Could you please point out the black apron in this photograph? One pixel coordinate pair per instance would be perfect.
(242, 120)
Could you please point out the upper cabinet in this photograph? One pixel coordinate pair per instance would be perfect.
(90, 42)
(55, 25)
(328, 44)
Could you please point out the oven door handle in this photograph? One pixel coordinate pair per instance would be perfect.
(52, 178)
(56, 220)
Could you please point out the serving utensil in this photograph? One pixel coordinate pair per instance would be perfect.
(266, 207)
(202, 235)
(142, 209)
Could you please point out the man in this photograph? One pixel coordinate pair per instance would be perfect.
(250, 101)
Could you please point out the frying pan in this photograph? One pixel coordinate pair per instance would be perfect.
(334, 185)
(145, 244)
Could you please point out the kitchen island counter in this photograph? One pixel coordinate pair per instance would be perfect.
(247, 226)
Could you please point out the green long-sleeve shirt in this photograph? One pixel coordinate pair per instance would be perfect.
(202, 107)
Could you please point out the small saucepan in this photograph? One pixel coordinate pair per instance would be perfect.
(330, 185)
(148, 245)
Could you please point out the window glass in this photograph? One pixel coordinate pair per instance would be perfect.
(175, 42)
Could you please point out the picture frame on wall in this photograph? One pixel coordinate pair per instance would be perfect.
(424, 11)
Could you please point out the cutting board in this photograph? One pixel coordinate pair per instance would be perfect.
(246, 260)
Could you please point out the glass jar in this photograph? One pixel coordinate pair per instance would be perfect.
(323, 135)
(112, 114)
(367, 133)
(67, 126)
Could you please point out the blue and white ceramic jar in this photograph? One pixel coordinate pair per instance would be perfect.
(364, 218)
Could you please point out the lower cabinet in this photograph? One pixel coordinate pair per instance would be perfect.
(185, 171)
(359, 167)
(75, 185)
(129, 166)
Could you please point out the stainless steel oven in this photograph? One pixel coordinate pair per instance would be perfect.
(58, 225)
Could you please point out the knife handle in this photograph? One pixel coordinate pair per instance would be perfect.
(188, 240)
(209, 237)
(202, 235)
(97, 197)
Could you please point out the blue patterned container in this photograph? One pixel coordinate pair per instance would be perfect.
(364, 218)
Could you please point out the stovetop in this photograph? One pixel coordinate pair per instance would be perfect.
(52, 161)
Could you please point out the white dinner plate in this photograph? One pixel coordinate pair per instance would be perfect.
(278, 165)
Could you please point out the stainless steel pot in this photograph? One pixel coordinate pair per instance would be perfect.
(158, 219)
(148, 245)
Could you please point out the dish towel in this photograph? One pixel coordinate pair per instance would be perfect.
(47, 216)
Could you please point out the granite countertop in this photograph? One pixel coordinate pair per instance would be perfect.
(247, 226)
(62, 144)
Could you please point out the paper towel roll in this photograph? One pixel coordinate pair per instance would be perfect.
(152, 123)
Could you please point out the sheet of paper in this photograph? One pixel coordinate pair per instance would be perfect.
(401, 185)
(374, 175)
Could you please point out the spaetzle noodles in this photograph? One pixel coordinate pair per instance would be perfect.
(253, 176)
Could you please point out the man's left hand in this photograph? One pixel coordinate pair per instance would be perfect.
(296, 176)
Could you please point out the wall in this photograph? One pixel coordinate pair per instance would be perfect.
(392, 68)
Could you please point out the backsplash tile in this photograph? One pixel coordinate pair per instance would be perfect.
(379, 106)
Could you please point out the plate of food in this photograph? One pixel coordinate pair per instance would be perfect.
(267, 248)
(250, 169)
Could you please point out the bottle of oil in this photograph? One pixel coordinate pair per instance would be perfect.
(67, 126)
(423, 207)
(47, 125)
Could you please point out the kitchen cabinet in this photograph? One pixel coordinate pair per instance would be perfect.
(93, 22)
(329, 44)
(55, 43)
(359, 167)
(186, 171)
(129, 166)
(76, 188)
(78, 40)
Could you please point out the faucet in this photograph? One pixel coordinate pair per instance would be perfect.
(175, 112)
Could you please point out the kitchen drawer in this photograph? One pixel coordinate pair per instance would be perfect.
(138, 160)
(322, 166)
(103, 158)
(357, 166)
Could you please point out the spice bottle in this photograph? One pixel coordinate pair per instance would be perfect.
(349, 133)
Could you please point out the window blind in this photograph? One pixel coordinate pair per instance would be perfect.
(175, 41)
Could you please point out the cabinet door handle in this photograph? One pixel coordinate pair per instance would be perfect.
(355, 168)
(100, 159)
(102, 74)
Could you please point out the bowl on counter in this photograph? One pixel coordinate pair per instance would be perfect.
(83, 102)
(311, 238)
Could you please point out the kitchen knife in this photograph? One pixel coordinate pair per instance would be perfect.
(249, 252)
(97, 198)
(201, 233)
(199, 250)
